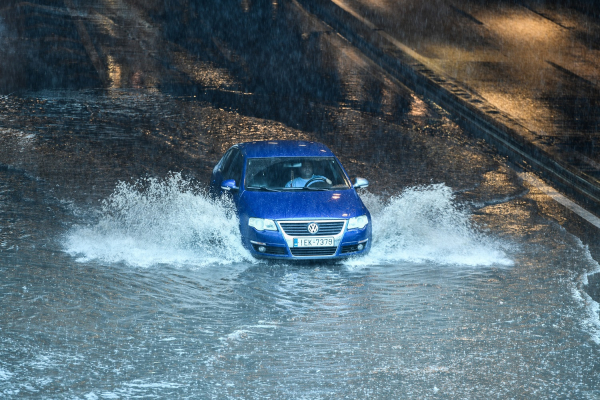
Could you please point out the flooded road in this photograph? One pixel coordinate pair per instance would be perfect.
(122, 279)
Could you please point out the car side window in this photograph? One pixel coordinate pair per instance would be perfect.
(226, 161)
(235, 168)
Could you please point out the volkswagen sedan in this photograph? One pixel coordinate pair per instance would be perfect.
(294, 200)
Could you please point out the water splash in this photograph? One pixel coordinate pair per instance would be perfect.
(152, 221)
(173, 221)
(591, 321)
(425, 224)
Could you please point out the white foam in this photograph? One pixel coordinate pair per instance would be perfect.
(238, 335)
(43, 362)
(154, 221)
(591, 322)
(153, 385)
(425, 224)
(110, 395)
(5, 375)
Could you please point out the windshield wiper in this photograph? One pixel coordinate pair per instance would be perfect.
(305, 188)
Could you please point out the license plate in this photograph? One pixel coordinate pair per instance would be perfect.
(313, 242)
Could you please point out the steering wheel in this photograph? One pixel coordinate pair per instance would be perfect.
(318, 179)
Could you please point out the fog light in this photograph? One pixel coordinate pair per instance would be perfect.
(262, 249)
(360, 247)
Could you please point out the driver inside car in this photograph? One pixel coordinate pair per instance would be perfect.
(306, 174)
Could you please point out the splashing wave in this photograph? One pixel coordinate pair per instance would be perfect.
(173, 221)
(425, 224)
(154, 221)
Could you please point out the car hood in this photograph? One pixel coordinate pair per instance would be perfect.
(302, 204)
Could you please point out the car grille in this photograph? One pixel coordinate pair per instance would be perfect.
(300, 228)
(313, 251)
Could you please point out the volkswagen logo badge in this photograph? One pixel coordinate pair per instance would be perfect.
(313, 228)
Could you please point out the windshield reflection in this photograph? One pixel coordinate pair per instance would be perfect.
(295, 173)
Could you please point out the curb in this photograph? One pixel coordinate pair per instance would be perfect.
(513, 140)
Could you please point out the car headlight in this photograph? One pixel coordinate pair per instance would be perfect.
(261, 224)
(358, 222)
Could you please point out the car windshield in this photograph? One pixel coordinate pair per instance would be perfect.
(295, 173)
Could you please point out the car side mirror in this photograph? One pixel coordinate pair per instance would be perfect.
(229, 184)
(361, 183)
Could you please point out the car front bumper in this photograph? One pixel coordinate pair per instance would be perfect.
(281, 245)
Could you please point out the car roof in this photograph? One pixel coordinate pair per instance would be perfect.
(284, 148)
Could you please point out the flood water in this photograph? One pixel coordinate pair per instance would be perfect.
(121, 278)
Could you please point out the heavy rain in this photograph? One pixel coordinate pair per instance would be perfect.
(475, 123)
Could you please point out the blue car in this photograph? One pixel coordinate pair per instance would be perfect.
(294, 200)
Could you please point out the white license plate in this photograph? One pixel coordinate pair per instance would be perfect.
(313, 242)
